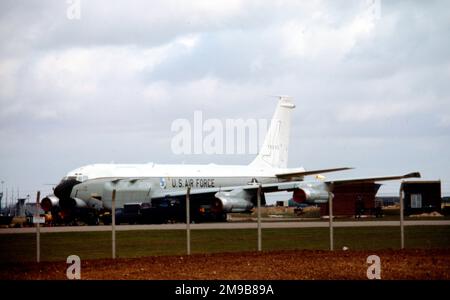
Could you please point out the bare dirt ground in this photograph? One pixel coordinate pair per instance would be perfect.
(298, 264)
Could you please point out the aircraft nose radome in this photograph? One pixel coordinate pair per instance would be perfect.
(64, 188)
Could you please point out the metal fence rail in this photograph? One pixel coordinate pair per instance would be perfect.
(201, 237)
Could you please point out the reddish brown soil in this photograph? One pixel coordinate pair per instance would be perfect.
(301, 264)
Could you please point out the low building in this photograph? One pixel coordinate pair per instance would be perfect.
(421, 196)
(353, 200)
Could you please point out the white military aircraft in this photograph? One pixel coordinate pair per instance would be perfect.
(216, 189)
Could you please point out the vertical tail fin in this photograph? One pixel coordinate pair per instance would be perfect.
(274, 151)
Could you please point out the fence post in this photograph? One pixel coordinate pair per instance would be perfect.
(113, 223)
(188, 222)
(330, 214)
(38, 228)
(402, 207)
(258, 200)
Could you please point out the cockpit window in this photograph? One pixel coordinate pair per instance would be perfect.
(81, 178)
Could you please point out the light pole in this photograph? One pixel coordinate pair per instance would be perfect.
(1, 198)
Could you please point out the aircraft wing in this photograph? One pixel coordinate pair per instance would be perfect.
(371, 179)
(289, 186)
(243, 197)
(312, 172)
(267, 188)
(292, 185)
(234, 198)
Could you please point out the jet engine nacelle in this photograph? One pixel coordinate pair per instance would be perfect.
(49, 202)
(310, 195)
(70, 203)
(235, 201)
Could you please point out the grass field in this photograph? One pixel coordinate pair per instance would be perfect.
(94, 245)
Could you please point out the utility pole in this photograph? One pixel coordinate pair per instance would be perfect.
(12, 201)
(6, 201)
(1, 198)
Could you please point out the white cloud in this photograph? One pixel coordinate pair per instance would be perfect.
(320, 37)
(189, 41)
(60, 82)
(8, 73)
(376, 111)
(124, 71)
(444, 121)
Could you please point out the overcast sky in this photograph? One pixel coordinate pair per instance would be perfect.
(371, 81)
